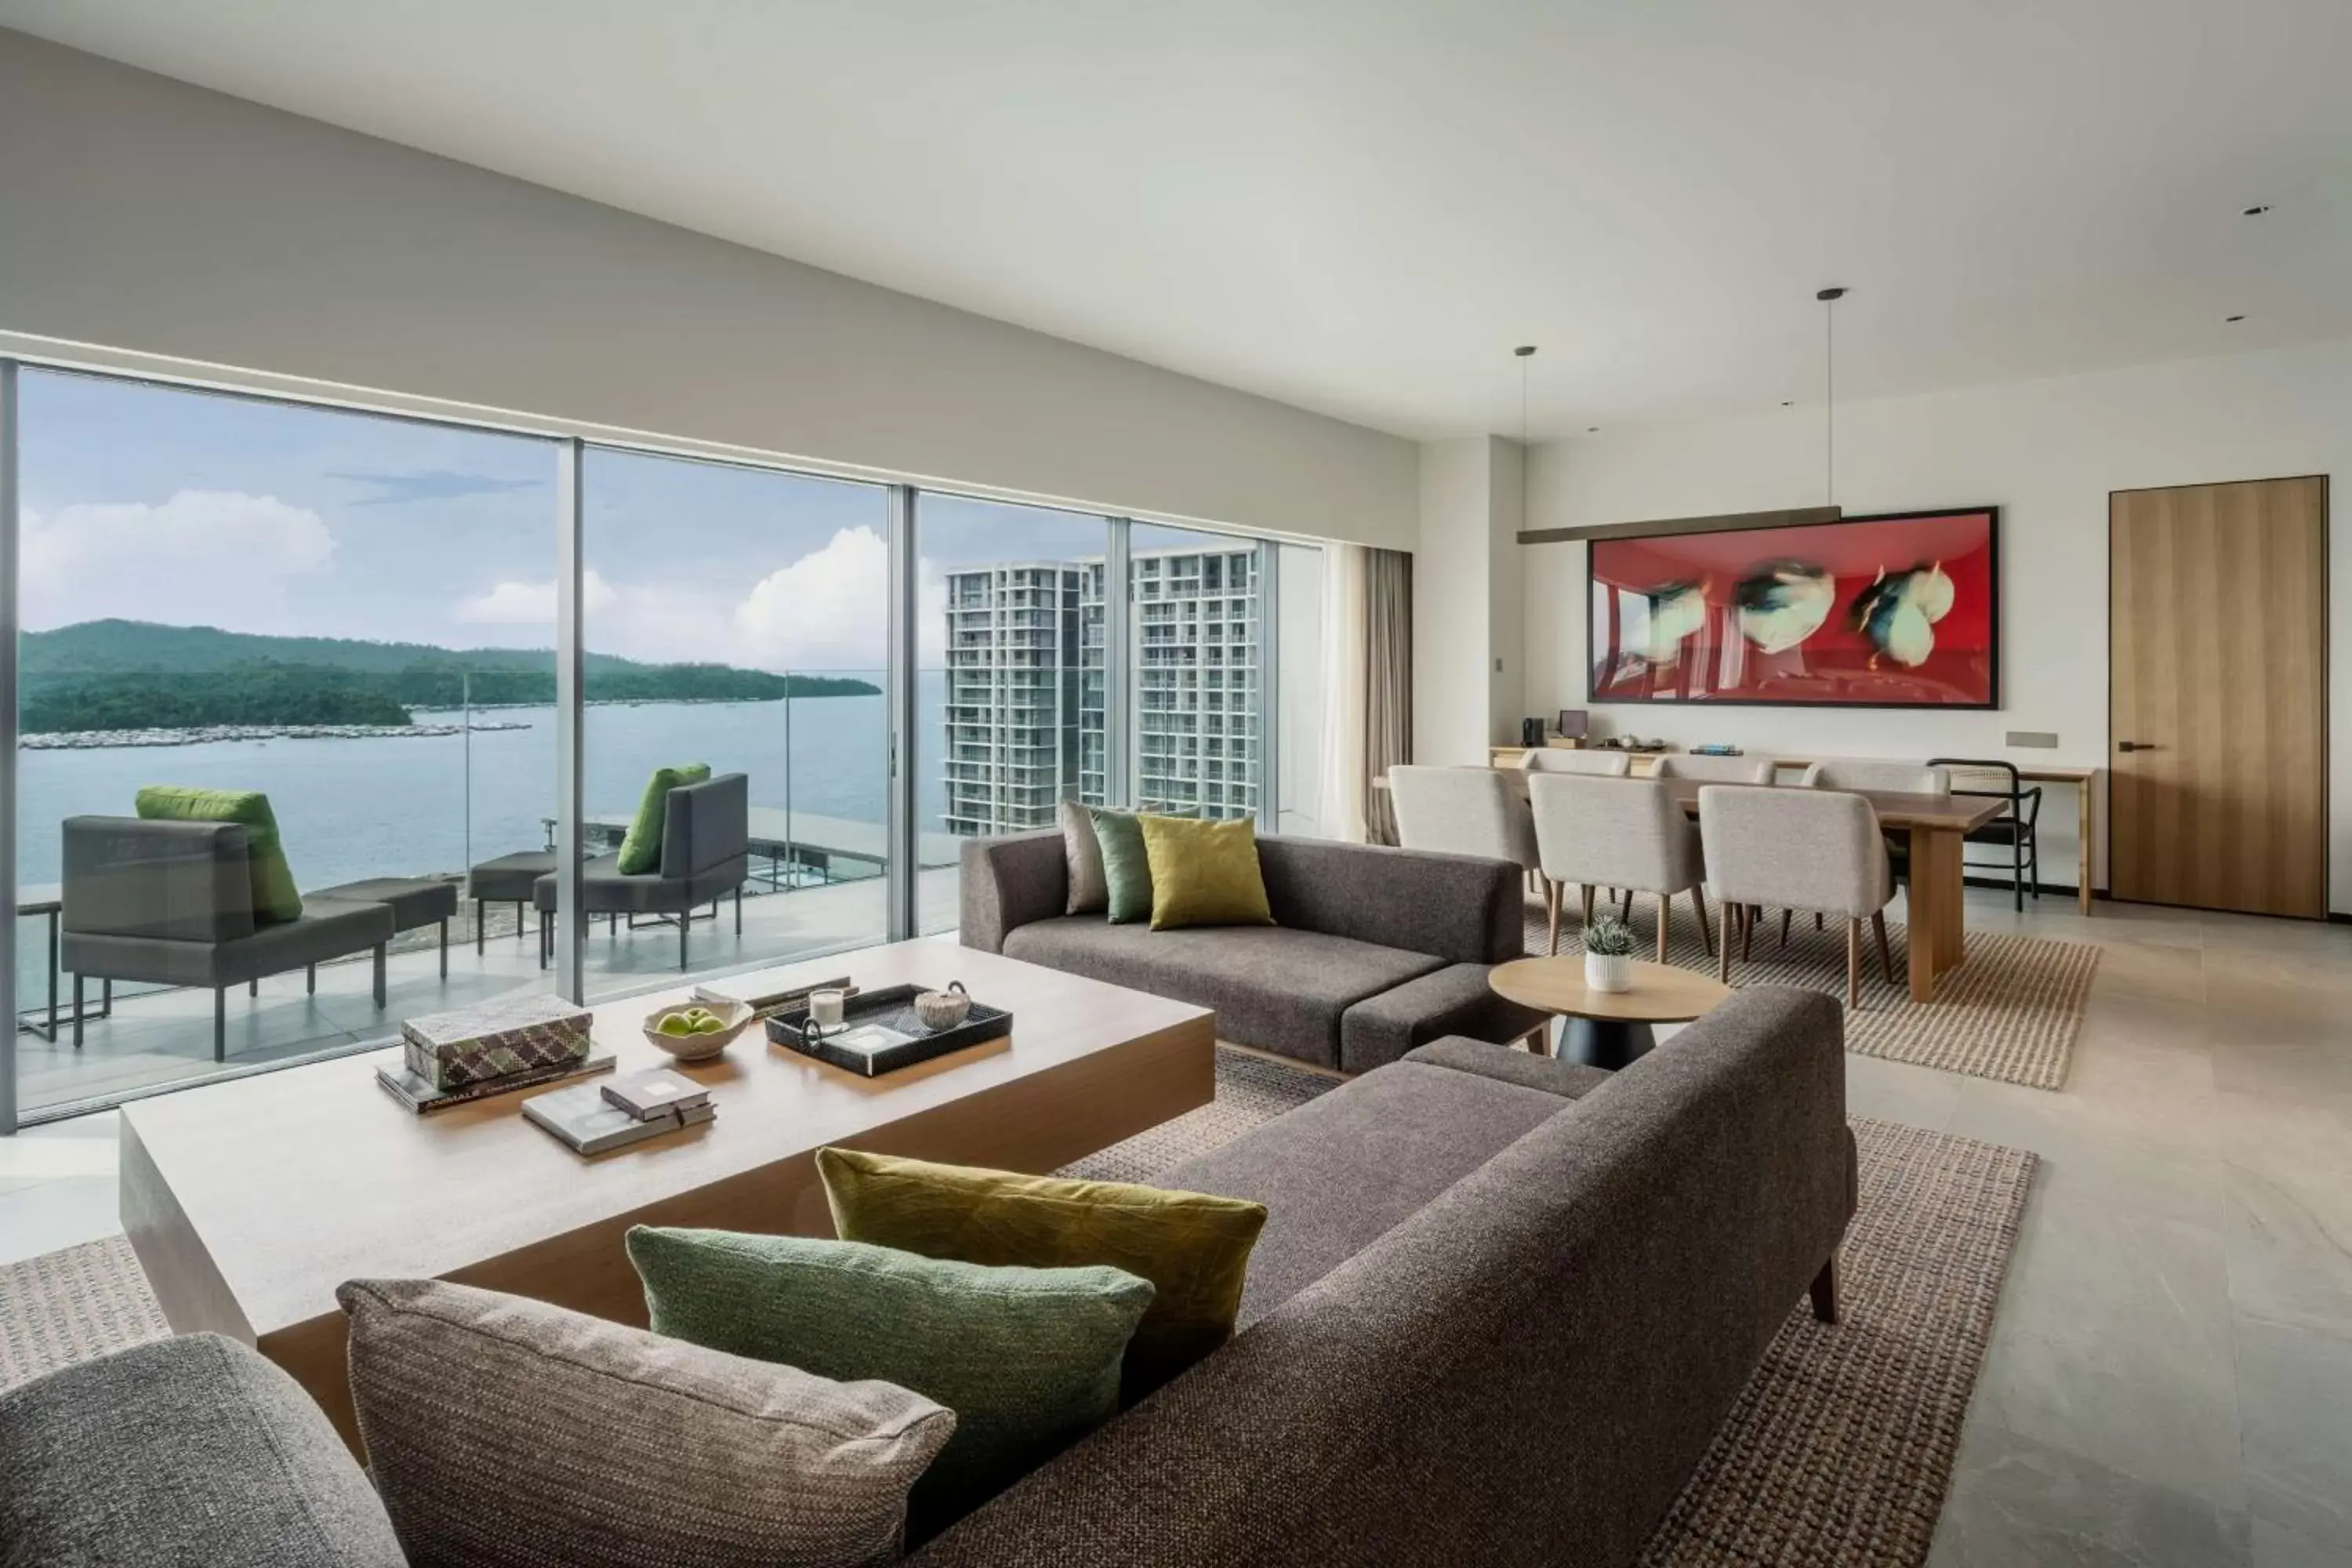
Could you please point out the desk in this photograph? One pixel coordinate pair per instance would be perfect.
(2085, 780)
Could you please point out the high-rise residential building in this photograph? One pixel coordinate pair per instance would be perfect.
(1026, 693)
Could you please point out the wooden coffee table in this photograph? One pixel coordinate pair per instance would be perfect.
(1607, 1028)
(249, 1201)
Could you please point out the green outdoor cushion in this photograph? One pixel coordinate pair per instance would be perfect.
(641, 847)
(275, 897)
(1204, 873)
(1193, 1247)
(1028, 1359)
(1126, 868)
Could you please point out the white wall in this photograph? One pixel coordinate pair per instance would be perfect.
(2047, 453)
(1466, 636)
(142, 214)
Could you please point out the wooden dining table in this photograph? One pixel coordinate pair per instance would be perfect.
(1935, 826)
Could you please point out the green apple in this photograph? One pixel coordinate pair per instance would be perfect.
(676, 1023)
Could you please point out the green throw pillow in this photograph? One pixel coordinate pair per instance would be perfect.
(641, 847)
(1127, 870)
(275, 897)
(1028, 1359)
(1204, 873)
(1193, 1247)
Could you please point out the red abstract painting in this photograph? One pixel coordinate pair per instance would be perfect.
(1901, 611)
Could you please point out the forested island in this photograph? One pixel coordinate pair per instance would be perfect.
(118, 675)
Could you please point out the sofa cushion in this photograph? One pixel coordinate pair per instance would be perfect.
(641, 846)
(1089, 894)
(1028, 1359)
(1571, 1080)
(506, 1431)
(1338, 1172)
(1127, 865)
(1204, 873)
(1455, 1000)
(274, 895)
(1193, 1247)
(1273, 987)
(190, 1450)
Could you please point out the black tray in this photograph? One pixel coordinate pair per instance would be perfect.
(891, 1008)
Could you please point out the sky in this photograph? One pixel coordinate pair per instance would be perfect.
(156, 503)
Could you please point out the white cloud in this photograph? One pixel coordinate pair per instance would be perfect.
(830, 610)
(516, 604)
(223, 557)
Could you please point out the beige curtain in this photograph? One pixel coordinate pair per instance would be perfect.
(1388, 657)
(1339, 748)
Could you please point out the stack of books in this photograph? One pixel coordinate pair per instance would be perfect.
(449, 1058)
(592, 1118)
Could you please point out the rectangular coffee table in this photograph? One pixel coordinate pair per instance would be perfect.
(250, 1201)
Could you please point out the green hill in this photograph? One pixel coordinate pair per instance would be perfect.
(130, 674)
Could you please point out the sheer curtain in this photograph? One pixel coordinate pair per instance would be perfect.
(1387, 616)
(1340, 797)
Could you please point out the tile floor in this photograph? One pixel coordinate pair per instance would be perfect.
(2170, 1376)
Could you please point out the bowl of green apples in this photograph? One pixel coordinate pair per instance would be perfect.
(692, 1031)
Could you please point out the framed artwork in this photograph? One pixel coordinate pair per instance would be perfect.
(1898, 611)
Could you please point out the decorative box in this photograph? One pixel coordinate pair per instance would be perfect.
(516, 1034)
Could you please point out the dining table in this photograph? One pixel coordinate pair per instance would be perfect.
(1935, 827)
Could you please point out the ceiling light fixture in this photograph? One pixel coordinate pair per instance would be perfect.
(1829, 299)
(1526, 353)
(2233, 318)
(2256, 211)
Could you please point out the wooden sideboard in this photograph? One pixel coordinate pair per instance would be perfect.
(2085, 780)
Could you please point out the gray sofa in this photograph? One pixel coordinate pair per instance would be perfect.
(1499, 1309)
(1373, 950)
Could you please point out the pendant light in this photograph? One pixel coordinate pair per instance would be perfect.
(1829, 299)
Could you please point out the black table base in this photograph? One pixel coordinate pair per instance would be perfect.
(1604, 1042)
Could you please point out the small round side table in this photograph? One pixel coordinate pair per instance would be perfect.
(1607, 1028)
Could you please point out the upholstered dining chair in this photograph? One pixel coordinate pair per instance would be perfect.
(1716, 770)
(1569, 760)
(1890, 778)
(1615, 833)
(1462, 811)
(1797, 850)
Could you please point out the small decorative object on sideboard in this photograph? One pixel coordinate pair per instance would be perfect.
(882, 1030)
(695, 1031)
(1714, 748)
(1609, 955)
(943, 1009)
(494, 1040)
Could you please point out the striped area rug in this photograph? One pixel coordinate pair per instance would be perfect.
(2011, 1013)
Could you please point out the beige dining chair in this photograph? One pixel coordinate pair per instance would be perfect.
(1716, 770)
(1462, 811)
(1625, 834)
(1890, 778)
(1813, 849)
(1569, 760)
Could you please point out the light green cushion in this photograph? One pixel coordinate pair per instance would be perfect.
(1028, 1359)
(275, 897)
(1204, 873)
(641, 846)
(1193, 1247)
(1127, 870)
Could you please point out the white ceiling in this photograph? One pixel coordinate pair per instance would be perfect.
(1360, 206)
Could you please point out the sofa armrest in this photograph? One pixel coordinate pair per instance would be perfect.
(156, 880)
(1459, 908)
(1455, 1000)
(1005, 883)
(1569, 1080)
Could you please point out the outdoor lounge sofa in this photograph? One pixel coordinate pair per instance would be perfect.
(706, 853)
(1373, 950)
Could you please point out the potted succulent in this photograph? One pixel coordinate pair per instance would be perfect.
(1609, 955)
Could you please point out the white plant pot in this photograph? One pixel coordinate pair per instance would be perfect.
(1609, 971)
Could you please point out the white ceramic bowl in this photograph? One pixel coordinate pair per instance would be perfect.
(732, 1015)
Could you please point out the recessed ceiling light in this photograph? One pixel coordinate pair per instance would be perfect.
(1593, 429)
(2256, 211)
(2233, 318)
(1788, 403)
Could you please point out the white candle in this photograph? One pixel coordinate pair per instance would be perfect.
(824, 1007)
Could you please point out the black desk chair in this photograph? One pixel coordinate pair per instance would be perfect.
(2019, 828)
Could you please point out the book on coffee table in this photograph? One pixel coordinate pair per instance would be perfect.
(418, 1094)
(584, 1121)
(656, 1091)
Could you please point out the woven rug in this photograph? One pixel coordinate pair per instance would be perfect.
(2011, 1013)
(1837, 1453)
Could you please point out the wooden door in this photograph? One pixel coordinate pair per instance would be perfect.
(2217, 696)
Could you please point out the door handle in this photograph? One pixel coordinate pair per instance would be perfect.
(2136, 747)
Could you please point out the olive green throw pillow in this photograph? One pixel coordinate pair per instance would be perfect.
(641, 846)
(1126, 869)
(1193, 1247)
(275, 897)
(1028, 1359)
(1204, 873)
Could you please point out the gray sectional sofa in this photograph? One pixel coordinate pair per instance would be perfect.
(1373, 950)
(1499, 1309)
